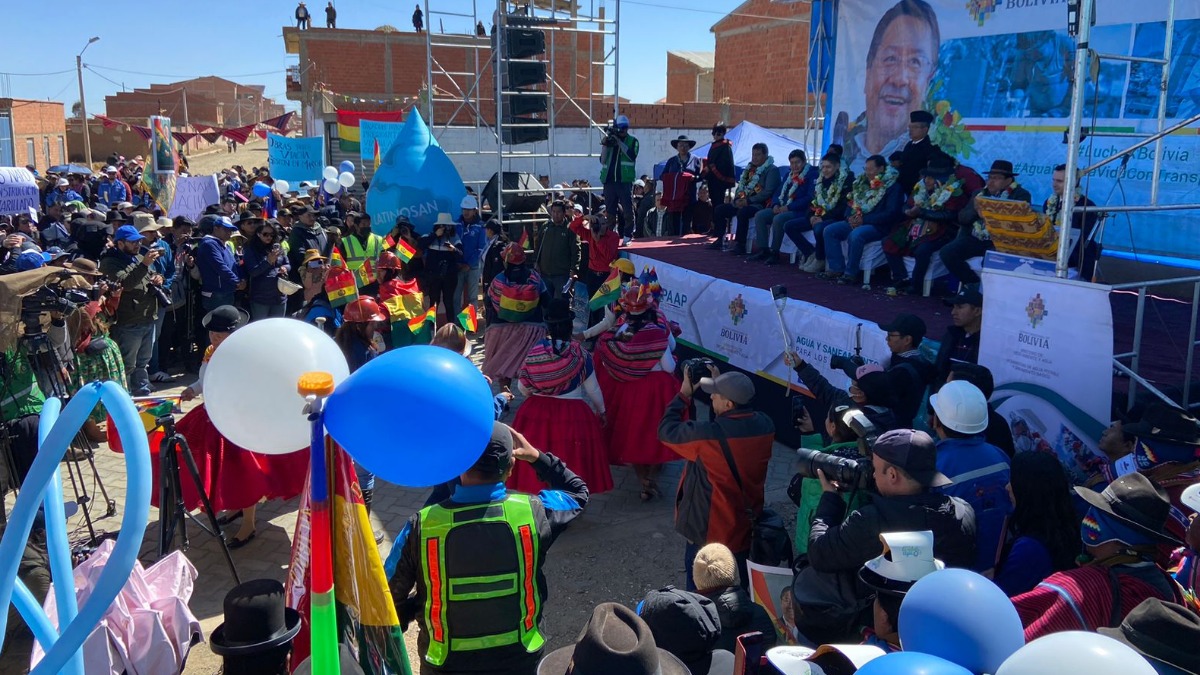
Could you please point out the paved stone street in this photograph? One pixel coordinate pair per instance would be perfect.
(619, 549)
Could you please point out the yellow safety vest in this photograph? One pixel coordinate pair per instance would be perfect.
(361, 260)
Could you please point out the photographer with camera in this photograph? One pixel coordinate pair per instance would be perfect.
(618, 160)
(721, 489)
(829, 602)
(128, 265)
(850, 435)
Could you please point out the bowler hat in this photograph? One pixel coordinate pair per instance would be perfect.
(1137, 502)
(920, 117)
(1003, 167)
(256, 620)
(225, 319)
(1163, 632)
(1162, 422)
(683, 139)
(940, 166)
(615, 640)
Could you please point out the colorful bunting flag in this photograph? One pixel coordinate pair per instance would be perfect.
(608, 292)
(416, 322)
(469, 319)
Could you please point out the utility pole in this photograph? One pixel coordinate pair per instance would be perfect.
(87, 139)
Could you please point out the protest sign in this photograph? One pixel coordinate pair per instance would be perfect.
(192, 194)
(370, 131)
(295, 159)
(18, 190)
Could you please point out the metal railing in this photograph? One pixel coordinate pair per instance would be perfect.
(1135, 354)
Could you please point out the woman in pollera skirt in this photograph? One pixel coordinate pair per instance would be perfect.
(516, 297)
(564, 408)
(635, 370)
(235, 478)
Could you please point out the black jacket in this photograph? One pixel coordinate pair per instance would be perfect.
(956, 346)
(739, 614)
(914, 157)
(719, 169)
(910, 376)
(838, 212)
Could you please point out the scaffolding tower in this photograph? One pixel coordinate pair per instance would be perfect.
(462, 92)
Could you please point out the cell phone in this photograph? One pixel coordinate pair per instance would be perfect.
(748, 655)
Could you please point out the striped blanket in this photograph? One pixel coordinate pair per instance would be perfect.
(550, 373)
(627, 355)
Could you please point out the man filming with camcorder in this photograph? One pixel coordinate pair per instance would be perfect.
(129, 265)
(618, 160)
(900, 475)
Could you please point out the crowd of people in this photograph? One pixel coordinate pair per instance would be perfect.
(938, 474)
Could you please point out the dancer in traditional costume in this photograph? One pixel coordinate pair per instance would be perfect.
(516, 296)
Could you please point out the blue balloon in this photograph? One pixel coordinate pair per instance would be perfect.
(416, 416)
(910, 663)
(56, 433)
(261, 190)
(962, 617)
(415, 179)
(345, 166)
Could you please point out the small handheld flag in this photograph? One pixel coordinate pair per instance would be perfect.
(415, 323)
(608, 292)
(405, 250)
(469, 319)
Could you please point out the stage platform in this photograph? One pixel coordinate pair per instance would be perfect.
(1165, 329)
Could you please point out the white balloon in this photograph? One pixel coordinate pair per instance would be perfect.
(330, 173)
(346, 179)
(250, 383)
(332, 187)
(281, 186)
(1075, 652)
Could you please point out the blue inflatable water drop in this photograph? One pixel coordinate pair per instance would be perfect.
(416, 179)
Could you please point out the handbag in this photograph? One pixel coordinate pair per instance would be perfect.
(769, 541)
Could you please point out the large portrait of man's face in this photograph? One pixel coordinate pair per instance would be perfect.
(901, 62)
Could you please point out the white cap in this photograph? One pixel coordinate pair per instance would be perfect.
(1191, 497)
(62, 182)
(578, 208)
(639, 183)
(110, 169)
(469, 202)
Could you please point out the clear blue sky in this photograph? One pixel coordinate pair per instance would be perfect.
(178, 39)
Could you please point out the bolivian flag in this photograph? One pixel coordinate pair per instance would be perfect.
(149, 410)
(469, 319)
(405, 251)
(377, 161)
(608, 292)
(348, 121)
(415, 323)
(340, 286)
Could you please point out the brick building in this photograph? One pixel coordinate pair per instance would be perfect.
(762, 53)
(32, 132)
(212, 101)
(689, 76)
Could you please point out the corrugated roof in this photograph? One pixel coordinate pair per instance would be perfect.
(701, 59)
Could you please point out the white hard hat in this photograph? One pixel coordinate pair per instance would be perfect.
(960, 406)
(907, 556)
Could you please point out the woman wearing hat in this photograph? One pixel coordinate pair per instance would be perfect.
(636, 373)
(97, 356)
(564, 409)
(264, 262)
(1121, 534)
(516, 298)
(235, 478)
(679, 186)
(442, 252)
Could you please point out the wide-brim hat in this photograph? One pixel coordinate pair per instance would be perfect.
(225, 319)
(940, 166)
(1137, 502)
(1003, 167)
(615, 640)
(906, 558)
(1162, 422)
(444, 219)
(683, 139)
(1163, 632)
(256, 620)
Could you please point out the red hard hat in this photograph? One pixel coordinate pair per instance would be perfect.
(514, 254)
(636, 299)
(389, 261)
(363, 310)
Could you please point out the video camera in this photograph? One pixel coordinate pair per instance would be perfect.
(843, 363)
(850, 472)
(694, 369)
(51, 298)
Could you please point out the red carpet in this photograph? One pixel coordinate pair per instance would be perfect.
(1164, 340)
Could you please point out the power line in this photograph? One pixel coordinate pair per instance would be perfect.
(138, 72)
(57, 72)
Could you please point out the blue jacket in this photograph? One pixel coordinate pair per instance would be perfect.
(980, 473)
(112, 192)
(218, 271)
(165, 265)
(675, 166)
(804, 194)
(888, 212)
(262, 275)
(474, 239)
(68, 195)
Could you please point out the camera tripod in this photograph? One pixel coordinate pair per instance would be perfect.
(50, 371)
(172, 512)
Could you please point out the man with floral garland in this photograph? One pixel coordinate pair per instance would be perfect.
(755, 190)
(795, 195)
(932, 213)
(1086, 252)
(973, 239)
(831, 194)
(876, 204)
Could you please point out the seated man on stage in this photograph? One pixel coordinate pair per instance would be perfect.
(1085, 252)
(753, 192)
(932, 213)
(876, 205)
(795, 195)
(973, 240)
(831, 193)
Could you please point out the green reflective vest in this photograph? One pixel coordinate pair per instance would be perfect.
(499, 599)
(361, 259)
